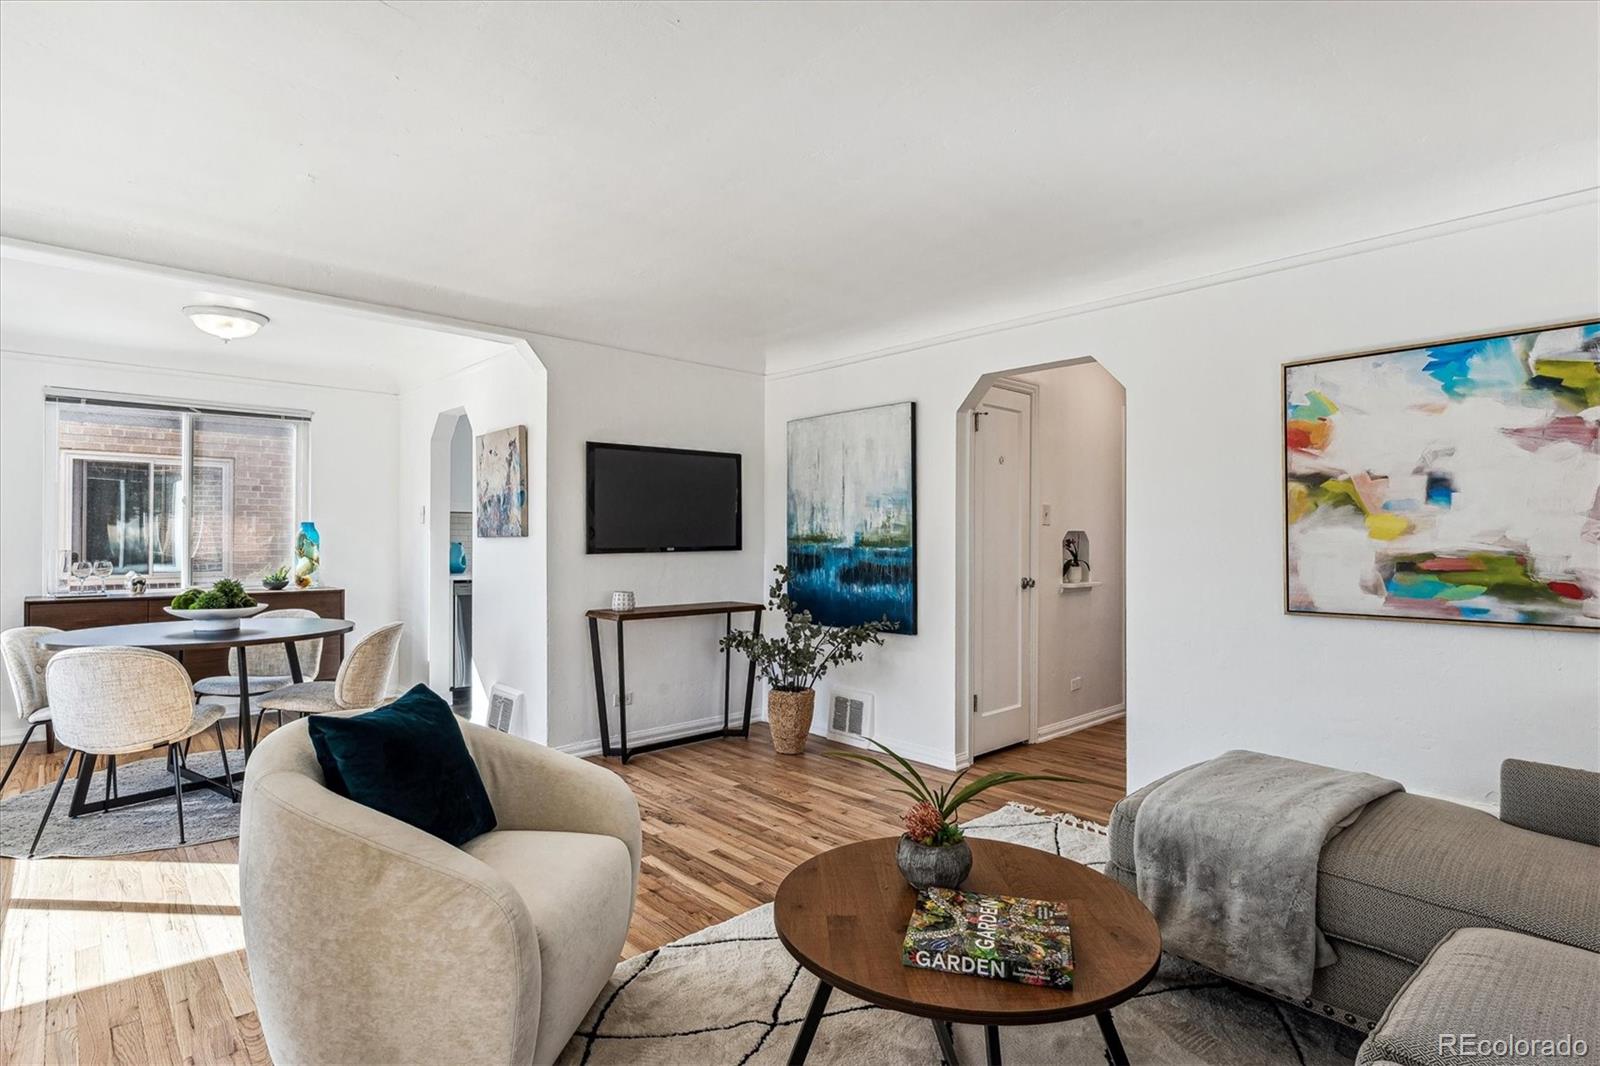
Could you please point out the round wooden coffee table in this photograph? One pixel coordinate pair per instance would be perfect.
(843, 915)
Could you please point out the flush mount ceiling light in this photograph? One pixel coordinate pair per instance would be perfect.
(228, 323)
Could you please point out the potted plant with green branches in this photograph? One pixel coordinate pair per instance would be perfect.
(793, 662)
(933, 851)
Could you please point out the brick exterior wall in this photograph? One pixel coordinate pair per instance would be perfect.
(252, 478)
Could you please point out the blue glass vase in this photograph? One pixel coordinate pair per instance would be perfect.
(307, 555)
(458, 557)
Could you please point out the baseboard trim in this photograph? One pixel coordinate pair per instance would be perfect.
(1083, 721)
(944, 760)
(591, 745)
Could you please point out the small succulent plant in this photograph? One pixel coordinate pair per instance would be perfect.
(277, 578)
(932, 817)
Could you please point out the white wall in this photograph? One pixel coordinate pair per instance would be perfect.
(1212, 660)
(674, 668)
(461, 466)
(601, 394)
(509, 576)
(1077, 466)
(354, 476)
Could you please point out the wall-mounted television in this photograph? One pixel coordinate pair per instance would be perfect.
(662, 500)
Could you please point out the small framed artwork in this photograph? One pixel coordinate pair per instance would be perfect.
(1457, 481)
(501, 485)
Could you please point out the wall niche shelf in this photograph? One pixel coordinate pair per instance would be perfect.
(1068, 586)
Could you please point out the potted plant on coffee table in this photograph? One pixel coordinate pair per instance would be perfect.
(795, 661)
(933, 852)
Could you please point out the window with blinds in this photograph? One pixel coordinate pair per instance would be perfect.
(181, 494)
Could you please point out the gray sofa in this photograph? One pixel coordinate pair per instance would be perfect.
(1412, 870)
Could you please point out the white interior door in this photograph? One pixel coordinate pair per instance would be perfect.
(1002, 599)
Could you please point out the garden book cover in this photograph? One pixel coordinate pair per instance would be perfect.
(1006, 938)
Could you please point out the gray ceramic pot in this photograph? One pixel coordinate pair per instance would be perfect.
(934, 866)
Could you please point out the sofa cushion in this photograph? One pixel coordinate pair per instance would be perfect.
(406, 760)
(1412, 869)
(1483, 986)
(578, 888)
(1555, 800)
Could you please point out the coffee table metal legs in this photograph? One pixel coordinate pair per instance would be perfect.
(808, 1028)
(943, 1033)
(1108, 1031)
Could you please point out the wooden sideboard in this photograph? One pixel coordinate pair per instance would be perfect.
(115, 609)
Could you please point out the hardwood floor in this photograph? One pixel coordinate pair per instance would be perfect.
(140, 958)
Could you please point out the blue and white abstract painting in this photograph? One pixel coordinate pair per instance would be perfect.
(501, 485)
(853, 516)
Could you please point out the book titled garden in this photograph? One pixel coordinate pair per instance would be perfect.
(1006, 938)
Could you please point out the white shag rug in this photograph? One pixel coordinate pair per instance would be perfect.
(731, 994)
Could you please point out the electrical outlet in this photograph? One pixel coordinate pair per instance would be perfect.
(1046, 517)
(1077, 683)
(616, 700)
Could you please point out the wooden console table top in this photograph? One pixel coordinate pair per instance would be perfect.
(674, 610)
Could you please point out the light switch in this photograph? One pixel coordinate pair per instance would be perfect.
(1046, 517)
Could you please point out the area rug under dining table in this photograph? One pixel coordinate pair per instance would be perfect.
(207, 815)
(732, 994)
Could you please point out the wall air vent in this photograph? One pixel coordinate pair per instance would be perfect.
(503, 703)
(850, 714)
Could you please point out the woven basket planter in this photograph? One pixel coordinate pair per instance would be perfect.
(789, 716)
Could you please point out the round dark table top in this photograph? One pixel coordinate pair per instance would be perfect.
(179, 635)
(843, 916)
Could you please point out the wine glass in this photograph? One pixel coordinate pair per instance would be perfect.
(81, 571)
(102, 570)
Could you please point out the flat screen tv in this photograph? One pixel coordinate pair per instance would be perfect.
(662, 500)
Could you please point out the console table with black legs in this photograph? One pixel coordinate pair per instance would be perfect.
(726, 608)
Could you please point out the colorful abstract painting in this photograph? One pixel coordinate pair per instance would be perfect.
(1455, 482)
(501, 483)
(853, 516)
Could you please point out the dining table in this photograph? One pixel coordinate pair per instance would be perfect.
(175, 638)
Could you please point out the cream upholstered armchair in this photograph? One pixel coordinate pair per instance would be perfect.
(370, 941)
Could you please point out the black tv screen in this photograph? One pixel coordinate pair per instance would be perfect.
(662, 500)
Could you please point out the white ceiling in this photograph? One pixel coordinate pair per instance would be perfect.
(761, 185)
(53, 305)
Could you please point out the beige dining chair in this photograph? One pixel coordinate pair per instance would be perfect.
(116, 701)
(25, 666)
(362, 681)
(269, 670)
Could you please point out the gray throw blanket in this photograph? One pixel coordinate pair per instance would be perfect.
(1226, 855)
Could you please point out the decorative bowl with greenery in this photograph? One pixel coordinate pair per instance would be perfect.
(793, 662)
(217, 609)
(933, 851)
(277, 579)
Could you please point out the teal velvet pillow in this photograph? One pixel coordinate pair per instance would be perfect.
(406, 760)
